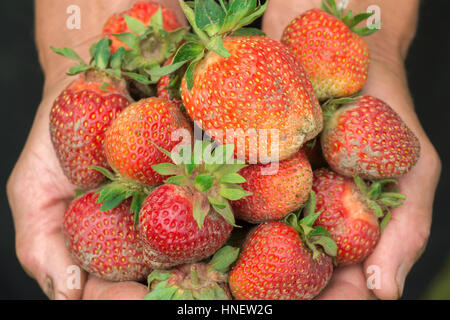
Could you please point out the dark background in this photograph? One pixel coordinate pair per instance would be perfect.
(428, 66)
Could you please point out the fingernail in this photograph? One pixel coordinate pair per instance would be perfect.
(402, 271)
(48, 288)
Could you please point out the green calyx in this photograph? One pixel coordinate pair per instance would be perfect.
(119, 189)
(101, 61)
(211, 22)
(210, 175)
(380, 198)
(149, 46)
(312, 236)
(330, 106)
(199, 281)
(349, 19)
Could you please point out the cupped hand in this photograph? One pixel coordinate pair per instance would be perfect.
(405, 237)
(38, 194)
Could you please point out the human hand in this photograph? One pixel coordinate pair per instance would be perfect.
(404, 239)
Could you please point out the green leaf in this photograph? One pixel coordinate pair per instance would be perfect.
(228, 168)
(113, 202)
(216, 45)
(136, 204)
(252, 16)
(209, 16)
(166, 169)
(189, 75)
(117, 57)
(203, 182)
(328, 245)
(78, 69)
(237, 10)
(385, 221)
(359, 18)
(309, 220)
(102, 53)
(201, 208)
(218, 202)
(363, 32)
(162, 291)
(159, 275)
(108, 174)
(138, 77)
(157, 20)
(134, 24)
(68, 53)
(376, 209)
(320, 231)
(310, 206)
(177, 180)
(223, 258)
(360, 184)
(131, 40)
(232, 193)
(232, 178)
(247, 32)
(226, 213)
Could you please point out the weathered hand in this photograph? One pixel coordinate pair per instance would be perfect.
(405, 237)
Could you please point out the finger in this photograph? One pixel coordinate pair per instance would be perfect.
(405, 236)
(47, 260)
(99, 289)
(347, 283)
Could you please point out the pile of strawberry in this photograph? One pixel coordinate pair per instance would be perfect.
(156, 203)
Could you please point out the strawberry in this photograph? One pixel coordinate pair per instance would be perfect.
(331, 49)
(280, 261)
(129, 142)
(199, 281)
(292, 183)
(142, 11)
(189, 217)
(245, 87)
(104, 243)
(367, 137)
(350, 211)
(170, 233)
(83, 112)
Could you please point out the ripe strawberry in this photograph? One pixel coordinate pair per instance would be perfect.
(199, 281)
(142, 11)
(366, 137)
(331, 49)
(277, 264)
(189, 218)
(170, 233)
(292, 183)
(129, 142)
(247, 90)
(82, 113)
(107, 243)
(350, 211)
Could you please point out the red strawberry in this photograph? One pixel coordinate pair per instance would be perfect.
(189, 218)
(331, 49)
(246, 90)
(276, 264)
(260, 86)
(366, 137)
(107, 243)
(83, 112)
(142, 11)
(199, 281)
(129, 142)
(170, 233)
(275, 194)
(350, 211)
